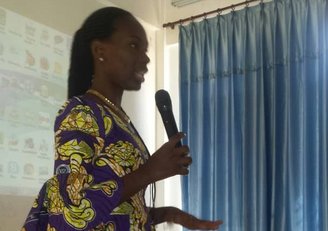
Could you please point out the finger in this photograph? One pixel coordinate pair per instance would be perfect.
(186, 161)
(204, 224)
(209, 224)
(183, 150)
(184, 165)
(181, 169)
(212, 224)
(176, 138)
(184, 170)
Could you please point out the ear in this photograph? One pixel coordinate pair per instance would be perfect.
(97, 49)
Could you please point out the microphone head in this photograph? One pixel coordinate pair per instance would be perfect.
(163, 100)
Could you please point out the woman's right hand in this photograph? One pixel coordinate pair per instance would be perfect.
(169, 160)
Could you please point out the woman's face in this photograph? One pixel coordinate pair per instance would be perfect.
(125, 59)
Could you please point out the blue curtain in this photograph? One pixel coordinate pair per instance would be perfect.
(254, 105)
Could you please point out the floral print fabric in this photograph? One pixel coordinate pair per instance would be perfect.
(94, 149)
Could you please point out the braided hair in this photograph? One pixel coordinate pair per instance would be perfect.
(99, 25)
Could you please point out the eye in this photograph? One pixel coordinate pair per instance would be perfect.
(133, 45)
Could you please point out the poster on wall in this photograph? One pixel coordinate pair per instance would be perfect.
(33, 84)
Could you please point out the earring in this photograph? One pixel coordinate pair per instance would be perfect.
(101, 59)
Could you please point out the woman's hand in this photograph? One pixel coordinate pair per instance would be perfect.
(177, 216)
(191, 222)
(169, 160)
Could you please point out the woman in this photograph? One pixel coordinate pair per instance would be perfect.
(102, 165)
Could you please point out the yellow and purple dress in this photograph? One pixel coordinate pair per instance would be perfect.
(94, 149)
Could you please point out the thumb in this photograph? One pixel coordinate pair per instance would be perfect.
(175, 139)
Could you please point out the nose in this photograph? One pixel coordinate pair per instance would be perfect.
(145, 58)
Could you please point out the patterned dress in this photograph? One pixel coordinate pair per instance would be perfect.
(94, 149)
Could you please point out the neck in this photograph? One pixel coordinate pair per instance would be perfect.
(112, 93)
(117, 108)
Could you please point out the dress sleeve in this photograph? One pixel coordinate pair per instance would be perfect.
(84, 191)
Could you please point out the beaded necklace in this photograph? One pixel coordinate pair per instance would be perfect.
(109, 103)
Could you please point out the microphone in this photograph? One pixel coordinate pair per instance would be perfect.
(164, 105)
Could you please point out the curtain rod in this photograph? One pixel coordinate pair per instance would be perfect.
(219, 11)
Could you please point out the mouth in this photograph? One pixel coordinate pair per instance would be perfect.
(140, 75)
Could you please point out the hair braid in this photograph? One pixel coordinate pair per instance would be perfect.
(99, 25)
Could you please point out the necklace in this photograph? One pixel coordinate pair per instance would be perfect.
(117, 109)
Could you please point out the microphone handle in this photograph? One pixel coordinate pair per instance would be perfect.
(170, 125)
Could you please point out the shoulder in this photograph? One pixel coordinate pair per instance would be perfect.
(79, 107)
(71, 103)
(78, 103)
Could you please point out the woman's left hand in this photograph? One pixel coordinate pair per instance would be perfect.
(191, 222)
(177, 216)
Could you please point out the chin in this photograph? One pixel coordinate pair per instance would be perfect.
(134, 88)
